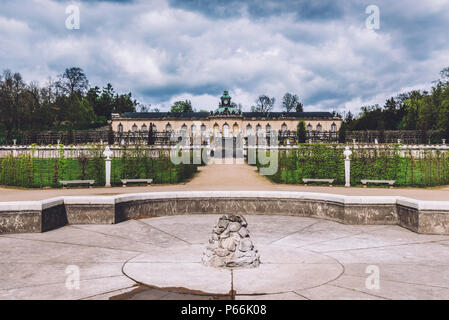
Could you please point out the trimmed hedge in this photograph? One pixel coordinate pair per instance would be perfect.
(327, 162)
(30, 172)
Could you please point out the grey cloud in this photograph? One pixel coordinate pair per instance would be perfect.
(304, 9)
(160, 50)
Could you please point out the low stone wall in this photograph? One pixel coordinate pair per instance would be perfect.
(32, 216)
(427, 217)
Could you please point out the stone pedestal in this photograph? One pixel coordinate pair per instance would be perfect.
(347, 153)
(230, 244)
(108, 153)
(108, 172)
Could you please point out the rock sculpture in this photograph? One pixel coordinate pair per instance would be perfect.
(230, 244)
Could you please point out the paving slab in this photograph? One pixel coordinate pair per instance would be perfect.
(22, 275)
(59, 291)
(394, 289)
(135, 230)
(185, 276)
(378, 236)
(35, 251)
(79, 236)
(278, 278)
(333, 292)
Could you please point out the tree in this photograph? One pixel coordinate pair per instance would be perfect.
(291, 102)
(124, 103)
(182, 106)
(67, 104)
(299, 107)
(73, 80)
(263, 104)
(143, 107)
(443, 115)
(445, 75)
(77, 112)
(151, 137)
(105, 102)
(301, 132)
(13, 106)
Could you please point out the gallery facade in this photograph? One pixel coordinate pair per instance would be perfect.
(226, 121)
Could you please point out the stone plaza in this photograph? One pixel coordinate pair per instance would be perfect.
(148, 242)
(160, 258)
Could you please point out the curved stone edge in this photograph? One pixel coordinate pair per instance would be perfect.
(429, 217)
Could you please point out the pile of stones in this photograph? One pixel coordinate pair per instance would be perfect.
(230, 244)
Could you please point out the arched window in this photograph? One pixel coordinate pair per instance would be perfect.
(258, 128)
(249, 130)
(120, 128)
(193, 128)
(134, 127)
(216, 129)
(203, 128)
(154, 127)
(334, 127)
(235, 129)
(144, 128)
(309, 128)
(184, 127)
(284, 127)
(268, 128)
(225, 130)
(168, 127)
(319, 128)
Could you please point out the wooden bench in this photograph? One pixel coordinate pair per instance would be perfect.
(390, 182)
(67, 182)
(330, 181)
(125, 181)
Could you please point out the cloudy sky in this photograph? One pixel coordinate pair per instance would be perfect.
(168, 50)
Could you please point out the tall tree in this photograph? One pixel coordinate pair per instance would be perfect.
(12, 104)
(73, 80)
(263, 104)
(106, 100)
(301, 132)
(291, 102)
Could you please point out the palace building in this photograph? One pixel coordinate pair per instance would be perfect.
(228, 121)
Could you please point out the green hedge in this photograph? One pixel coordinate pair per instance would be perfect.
(30, 172)
(327, 162)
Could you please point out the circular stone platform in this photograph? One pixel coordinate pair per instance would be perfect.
(281, 270)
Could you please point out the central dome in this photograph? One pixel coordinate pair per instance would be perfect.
(226, 107)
